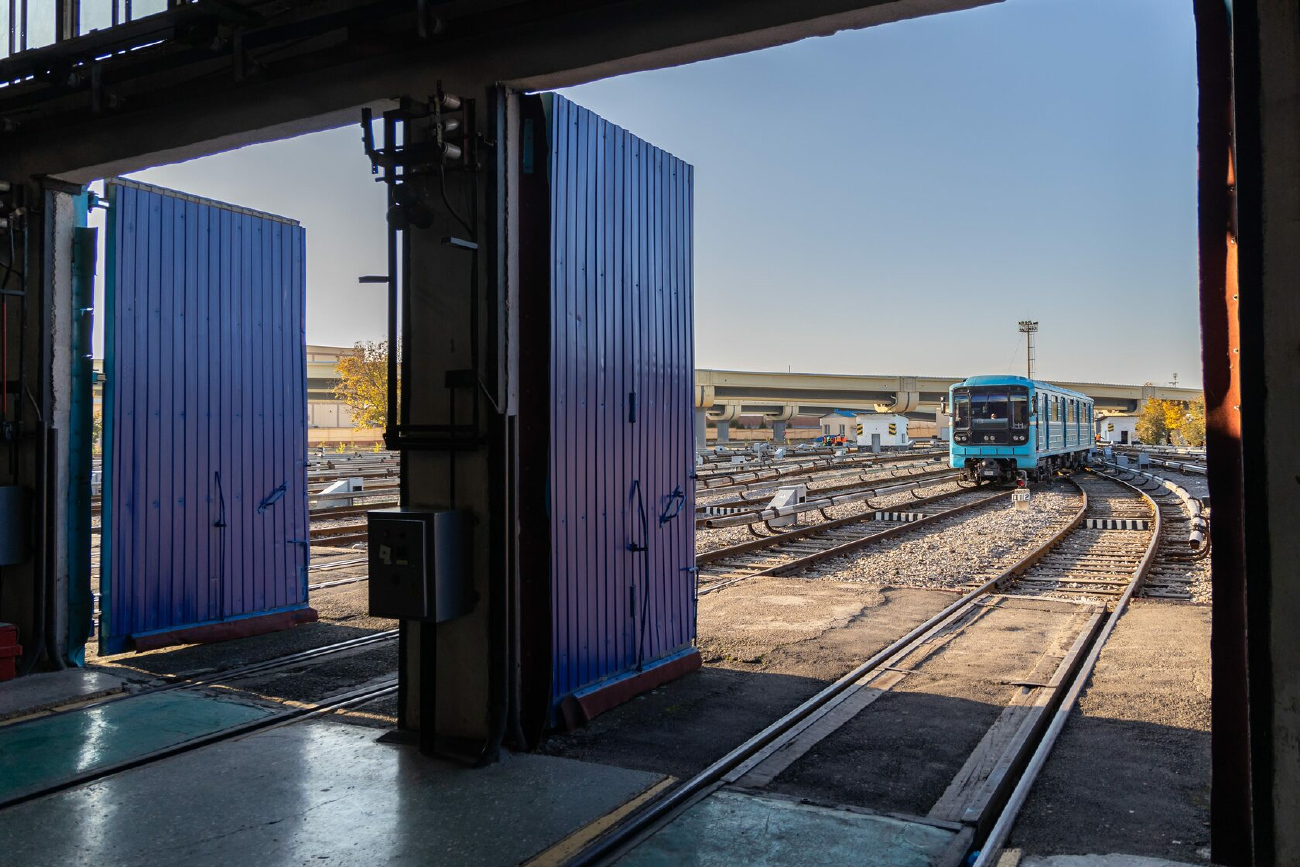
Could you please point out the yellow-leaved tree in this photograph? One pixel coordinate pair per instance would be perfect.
(1152, 427)
(1175, 414)
(1194, 425)
(363, 383)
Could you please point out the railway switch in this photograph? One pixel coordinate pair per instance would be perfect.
(419, 564)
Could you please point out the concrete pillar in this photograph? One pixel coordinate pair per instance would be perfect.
(778, 431)
(724, 431)
(701, 429)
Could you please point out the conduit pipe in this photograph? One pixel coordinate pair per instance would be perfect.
(1199, 526)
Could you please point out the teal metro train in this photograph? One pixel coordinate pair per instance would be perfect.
(1005, 424)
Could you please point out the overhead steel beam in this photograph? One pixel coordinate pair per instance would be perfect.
(310, 67)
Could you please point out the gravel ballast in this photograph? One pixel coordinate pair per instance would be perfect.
(975, 545)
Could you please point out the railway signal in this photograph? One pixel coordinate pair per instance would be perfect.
(1021, 495)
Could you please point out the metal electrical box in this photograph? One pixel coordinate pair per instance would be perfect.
(420, 564)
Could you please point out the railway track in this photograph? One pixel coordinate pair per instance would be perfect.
(796, 550)
(345, 534)
(1112, 539)
(864, 477)
(1105, 543)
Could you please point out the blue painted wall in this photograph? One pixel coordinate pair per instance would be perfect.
(205, 414)
(622, 371)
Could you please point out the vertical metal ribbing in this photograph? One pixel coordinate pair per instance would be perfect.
(620, 333)
(207, 373)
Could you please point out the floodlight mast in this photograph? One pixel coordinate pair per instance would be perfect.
(1029, 328)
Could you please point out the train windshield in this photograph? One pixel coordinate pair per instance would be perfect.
(991, 408)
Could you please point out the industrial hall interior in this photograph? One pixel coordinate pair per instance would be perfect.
(461, 432)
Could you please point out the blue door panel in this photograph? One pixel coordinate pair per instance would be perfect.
(205, 411)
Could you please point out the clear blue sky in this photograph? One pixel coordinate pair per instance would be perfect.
(889, 200)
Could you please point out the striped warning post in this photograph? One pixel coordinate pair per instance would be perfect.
(906, 517)
(718, 511)
(1117, 524)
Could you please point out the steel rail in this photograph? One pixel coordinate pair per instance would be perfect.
(864, 476)
(816, 474)
(855, 544)
(339, 701)
(991, 847)
(755, 516)
(769, 472)
(1199, 526)
(357, 579)
(813, 529)
(708, 779)
(217, 678)
(335, 564)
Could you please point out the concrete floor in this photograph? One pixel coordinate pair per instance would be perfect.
(767, 645)
(730, 828)
(1131, 771)
(901, 752)
(320, 793)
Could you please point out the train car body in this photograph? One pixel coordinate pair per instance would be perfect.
(1002, 425)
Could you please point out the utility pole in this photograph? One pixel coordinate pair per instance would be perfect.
(1029, 329)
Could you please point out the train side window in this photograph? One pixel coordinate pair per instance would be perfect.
(1056, 408)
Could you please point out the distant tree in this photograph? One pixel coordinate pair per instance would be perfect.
(1151, 425)
(96, 432)
(1175, 414)
(363, 383)
(1194, 425)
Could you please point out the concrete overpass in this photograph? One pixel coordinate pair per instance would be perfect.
(725, 394)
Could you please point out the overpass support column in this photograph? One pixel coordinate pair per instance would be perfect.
(778, 431)
(724, 431)
(701, 429)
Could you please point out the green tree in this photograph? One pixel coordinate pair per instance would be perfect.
(363, 383)
(1151, 424)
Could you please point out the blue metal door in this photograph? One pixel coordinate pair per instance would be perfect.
(205, 420)
(622, 497)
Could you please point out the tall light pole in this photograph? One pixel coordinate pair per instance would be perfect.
(1029, 329)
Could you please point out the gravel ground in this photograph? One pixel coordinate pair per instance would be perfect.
(976, 545)
(1131, 771)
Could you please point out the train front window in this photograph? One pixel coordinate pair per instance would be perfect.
(961, 410)
(1019, 410)
(989, 408)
